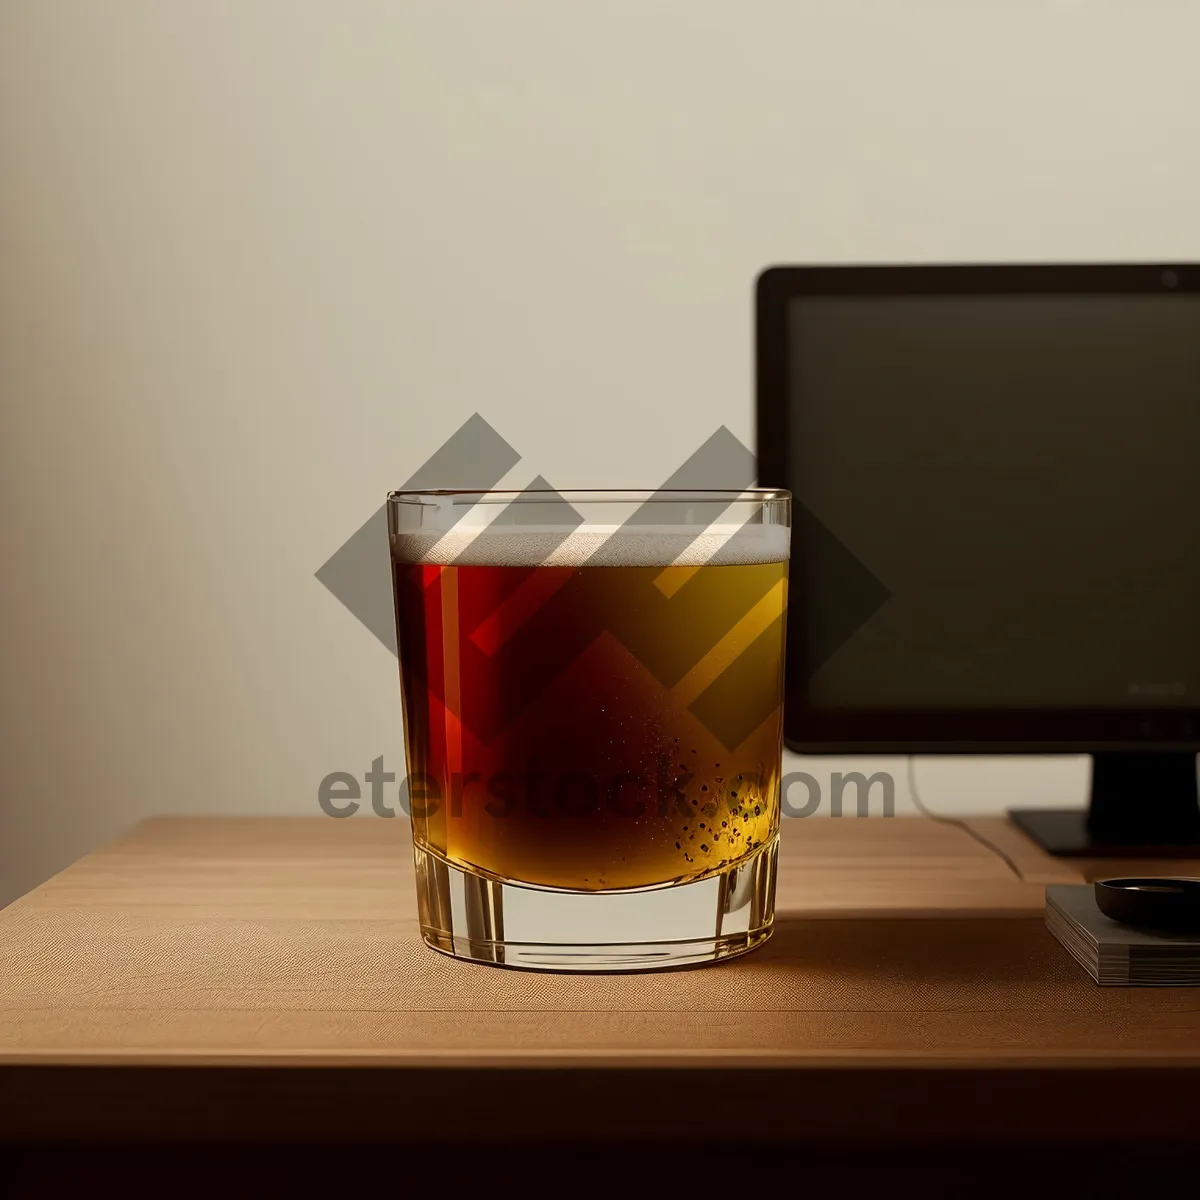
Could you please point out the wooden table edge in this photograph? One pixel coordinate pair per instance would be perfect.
(603, 1060)
(873, 1105)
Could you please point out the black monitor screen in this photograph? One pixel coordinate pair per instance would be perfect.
(1021, 476)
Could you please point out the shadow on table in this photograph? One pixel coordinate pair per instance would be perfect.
(926, 950)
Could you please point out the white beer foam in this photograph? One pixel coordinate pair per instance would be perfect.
(644, 546)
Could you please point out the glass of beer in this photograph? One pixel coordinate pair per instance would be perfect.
(592, 686)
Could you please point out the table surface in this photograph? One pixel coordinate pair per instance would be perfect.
(906, 955)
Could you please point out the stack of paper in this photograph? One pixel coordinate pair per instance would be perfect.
(1114, 954)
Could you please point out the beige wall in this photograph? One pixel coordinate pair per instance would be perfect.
(259, 257)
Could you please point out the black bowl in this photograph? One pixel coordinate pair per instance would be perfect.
(1163, 905)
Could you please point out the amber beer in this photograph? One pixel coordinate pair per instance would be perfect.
(592, 710)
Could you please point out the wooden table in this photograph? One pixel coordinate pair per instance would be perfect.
(253, 979)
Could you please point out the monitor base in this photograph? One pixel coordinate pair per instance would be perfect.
(1063, 832)
(1143, 805)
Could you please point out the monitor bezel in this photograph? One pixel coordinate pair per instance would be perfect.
(813, 730)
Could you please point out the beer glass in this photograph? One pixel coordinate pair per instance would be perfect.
(592, 687)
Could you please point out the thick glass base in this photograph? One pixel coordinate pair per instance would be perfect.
(468, 916)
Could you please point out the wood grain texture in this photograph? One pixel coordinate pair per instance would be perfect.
(901, 945)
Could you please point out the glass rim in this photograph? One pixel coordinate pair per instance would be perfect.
(759, 495)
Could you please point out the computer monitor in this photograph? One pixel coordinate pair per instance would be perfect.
(996, 542)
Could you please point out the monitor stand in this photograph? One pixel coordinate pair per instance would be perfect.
(1144, 804)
